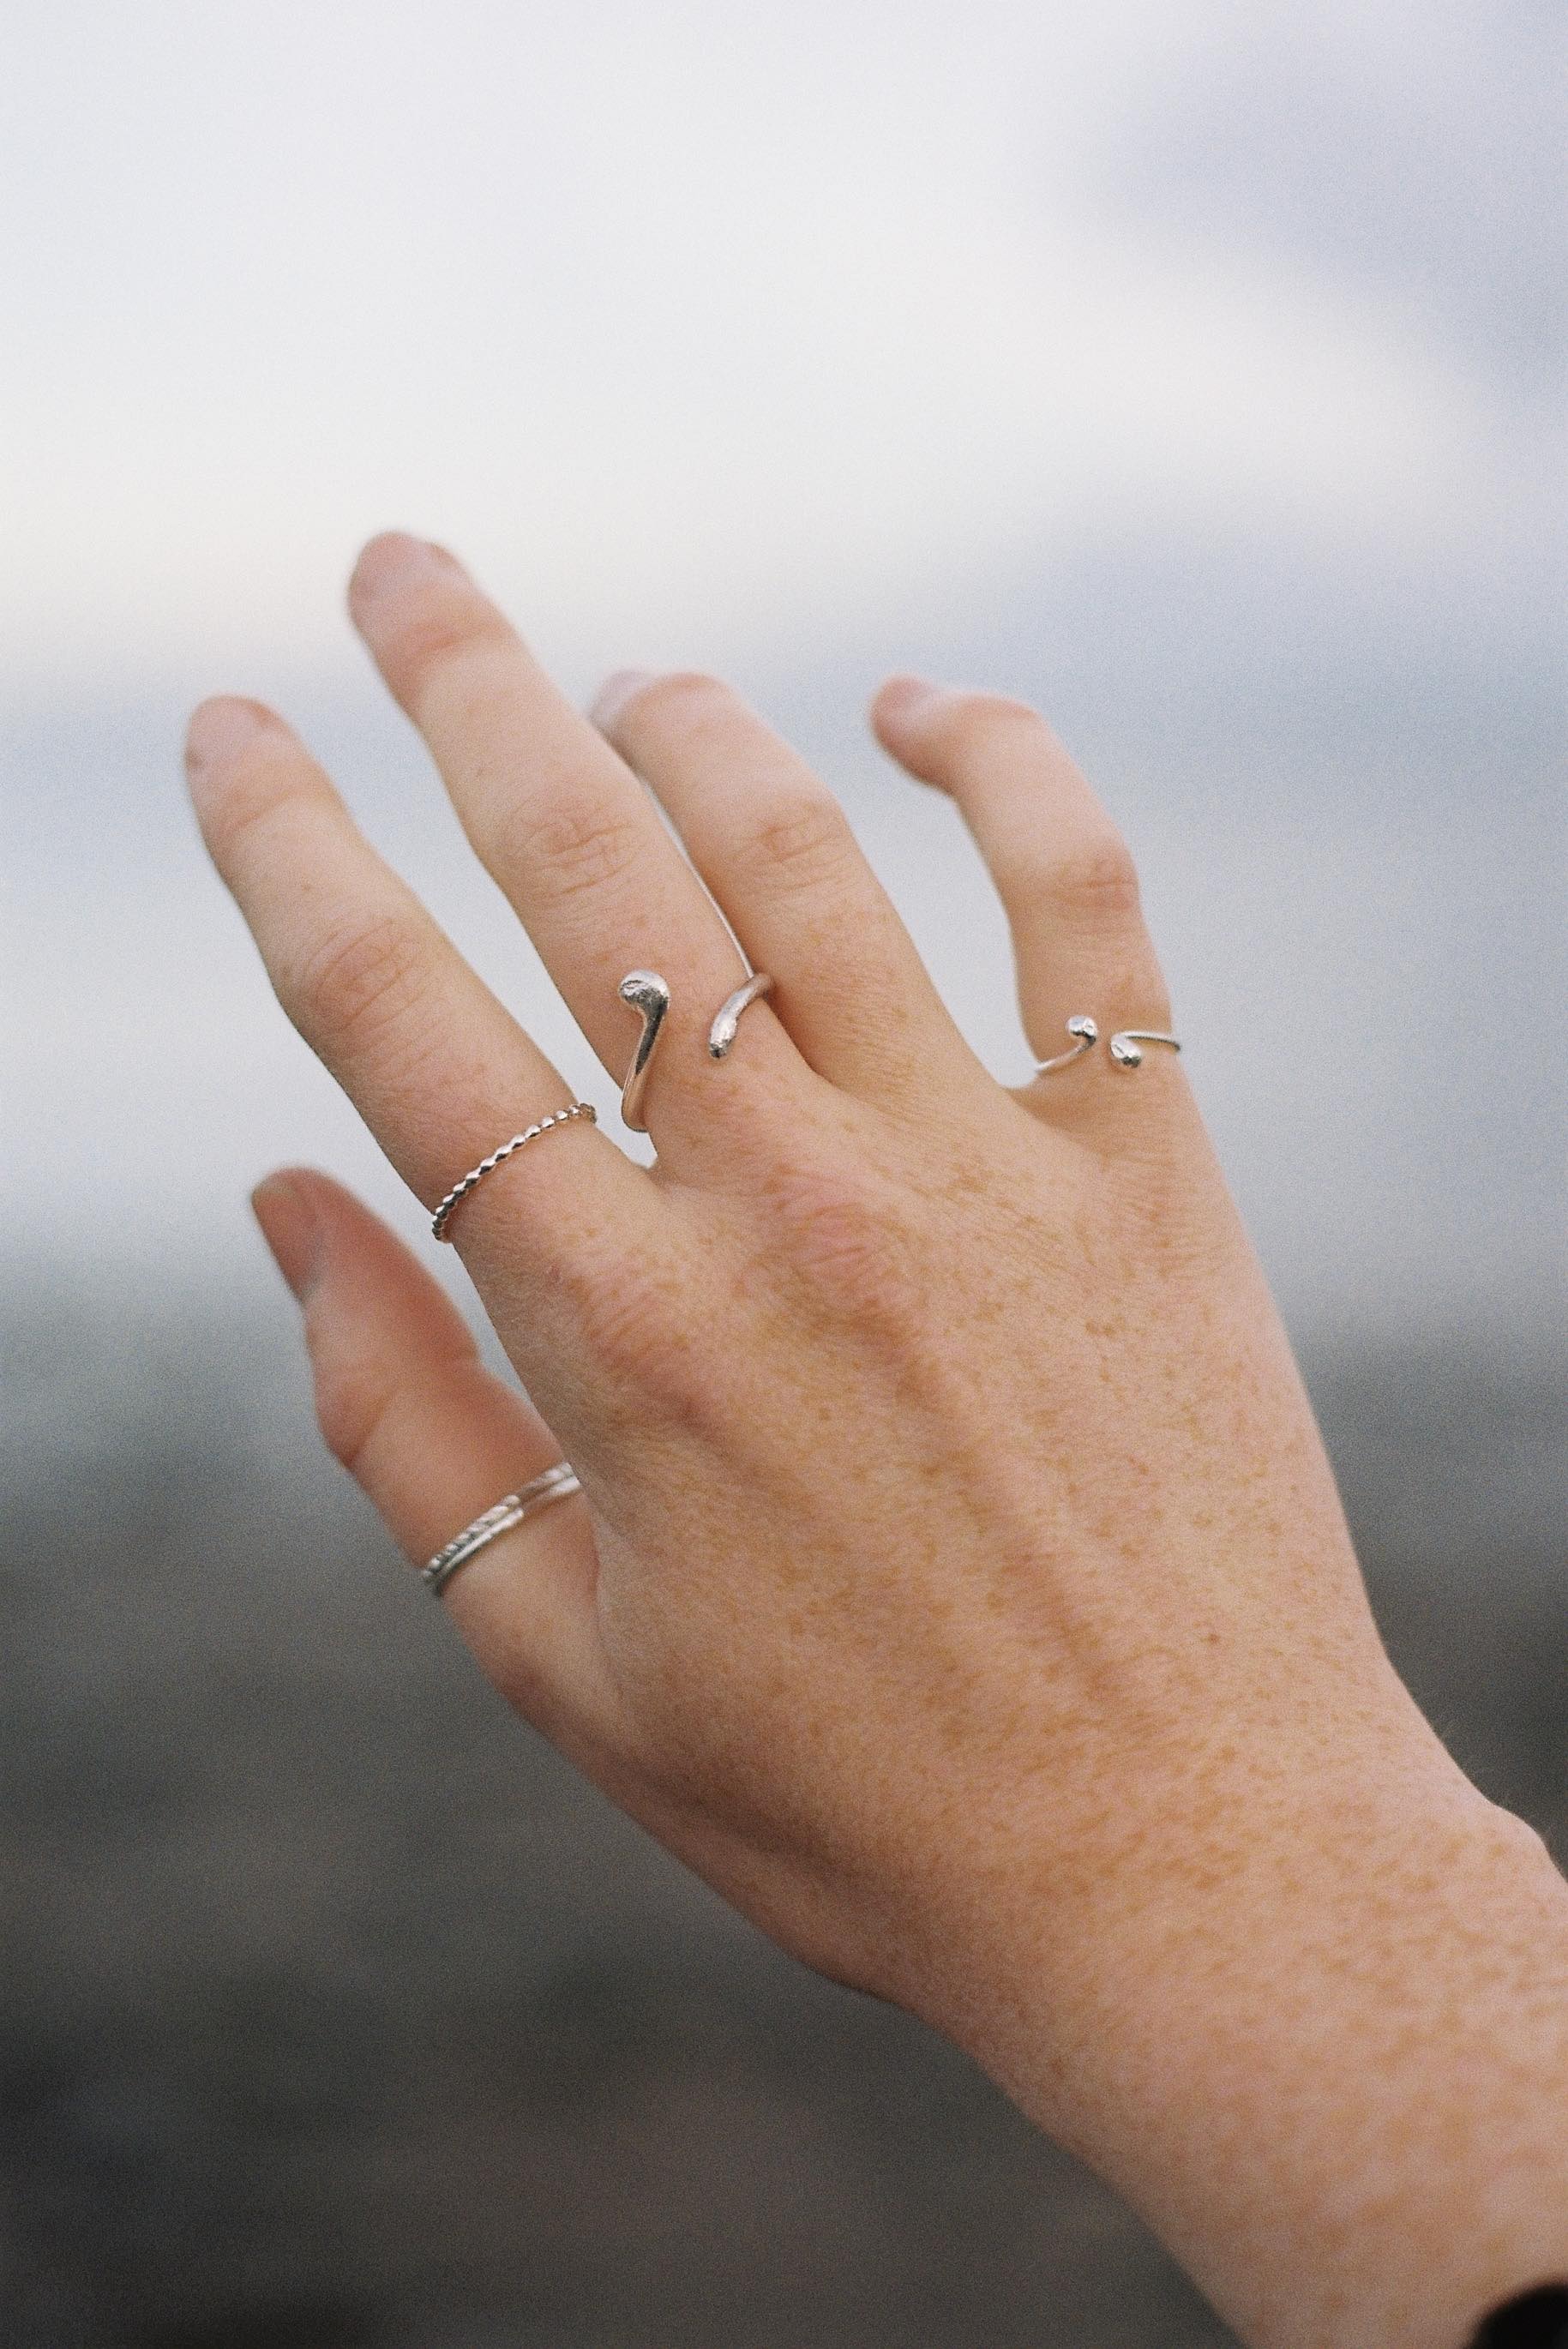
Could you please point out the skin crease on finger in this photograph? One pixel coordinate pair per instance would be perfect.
(973, 1605)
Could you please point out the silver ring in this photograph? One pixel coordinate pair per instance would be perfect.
(649, 995)
(1085, 1034)
(727, 1018)
(647, 992)
(460, 1190)
(556, 1483)
(1124, 1044)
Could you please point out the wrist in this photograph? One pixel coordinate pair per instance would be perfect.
(1321, 2043)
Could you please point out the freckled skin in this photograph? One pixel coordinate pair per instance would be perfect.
(960, 1586)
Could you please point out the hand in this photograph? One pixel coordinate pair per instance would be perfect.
(959, 1583)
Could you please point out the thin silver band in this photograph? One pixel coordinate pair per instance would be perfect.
(1124, 1045)
(556, 1483)
(460, 1190)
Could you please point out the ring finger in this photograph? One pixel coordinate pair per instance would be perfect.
(1066, 881)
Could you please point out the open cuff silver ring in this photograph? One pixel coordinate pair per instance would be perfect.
(649, 996)
(1125, 1046)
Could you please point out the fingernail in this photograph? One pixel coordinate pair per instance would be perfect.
(291, 1229)
(905, 698)
(219, 731)
(614, 694)
(393, 559)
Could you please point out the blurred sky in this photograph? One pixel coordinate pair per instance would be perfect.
(1191, 368)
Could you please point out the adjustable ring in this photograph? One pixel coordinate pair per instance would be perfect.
(554, 1483)
(647, 992)
(727, 1018)
(1085, 1034)
(1125, 1044)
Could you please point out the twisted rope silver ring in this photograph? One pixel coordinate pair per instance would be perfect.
(1124, 1045)
(556, 1483)
(649, 995)
(460, 1190)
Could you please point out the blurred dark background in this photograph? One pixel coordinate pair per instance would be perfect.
(1194, 372)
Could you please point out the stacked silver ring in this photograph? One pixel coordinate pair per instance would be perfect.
(556, 1483)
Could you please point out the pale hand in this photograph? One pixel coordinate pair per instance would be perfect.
(960, 1585)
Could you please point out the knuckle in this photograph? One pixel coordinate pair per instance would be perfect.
(577, 845)
(847, 1240)
(1136, 989)
(977, 723)
(645, 1339)
(679, 697)
(364, 976)
(354, 1401)
(1098, 873)
(628, 1321)
(267, 777)
(436, 633)
(801, 841)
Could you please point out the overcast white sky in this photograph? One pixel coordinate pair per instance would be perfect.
(664, 312)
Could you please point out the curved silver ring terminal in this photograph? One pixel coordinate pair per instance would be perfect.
(1124, 1045)
(647, 992)
(555, 1484)
(727, 1018)
(460, 1190)
(1085, 1034)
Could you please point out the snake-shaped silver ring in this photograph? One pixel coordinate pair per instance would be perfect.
(1125, 1045)
(727, 1018)
(648, 994)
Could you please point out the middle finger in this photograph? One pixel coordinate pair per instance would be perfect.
(573, 838)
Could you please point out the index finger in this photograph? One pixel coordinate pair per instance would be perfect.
(439, 1070)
